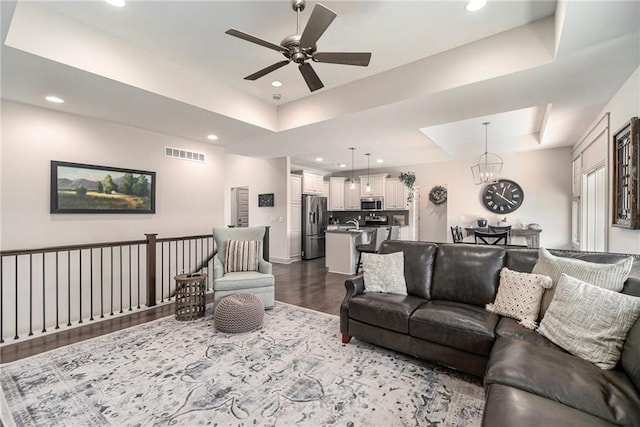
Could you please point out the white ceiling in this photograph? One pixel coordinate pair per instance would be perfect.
(540, 72)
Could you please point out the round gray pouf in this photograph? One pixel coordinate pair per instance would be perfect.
(238, 313)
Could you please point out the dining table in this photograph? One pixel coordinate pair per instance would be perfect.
(515, 241)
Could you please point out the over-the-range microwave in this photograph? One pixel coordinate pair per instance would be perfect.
(372, 203)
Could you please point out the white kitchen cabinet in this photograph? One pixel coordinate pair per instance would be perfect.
(396, 194)
(296, 188)
(312, 183)
(336, 194)
(376, 182)
(351, 196)
(295, 218)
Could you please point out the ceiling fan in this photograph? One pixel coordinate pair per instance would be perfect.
(299, 48)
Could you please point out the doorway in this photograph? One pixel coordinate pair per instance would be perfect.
(239, 207)
(595, 210)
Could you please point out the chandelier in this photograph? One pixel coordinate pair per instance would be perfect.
(487, 167)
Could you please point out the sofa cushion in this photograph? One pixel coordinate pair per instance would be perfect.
(462, 326)
(590, 322)
(564, 378)
(467, 273)
(384, 273)
(607, 276)
(511, 407)
(418, 264)
(384, 310)
(510, 328)
(519, 296)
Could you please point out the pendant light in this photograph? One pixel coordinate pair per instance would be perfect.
(488, 166)
(368, 188)
(353, 183)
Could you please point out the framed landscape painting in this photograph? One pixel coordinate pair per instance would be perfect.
(80, 188)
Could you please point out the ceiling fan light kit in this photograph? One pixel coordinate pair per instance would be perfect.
(487, 167)
(300, 48)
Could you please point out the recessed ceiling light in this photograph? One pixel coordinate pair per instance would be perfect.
(342, 165)
(54, 99)
(212, 137)
(319, 159)
(116, 3)
(474, 5)
(379, 161)
(276, 83)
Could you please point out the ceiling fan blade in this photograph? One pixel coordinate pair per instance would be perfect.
(347, 58)
(320, 19)
(253, 39)
(266, 71)
(310, 76)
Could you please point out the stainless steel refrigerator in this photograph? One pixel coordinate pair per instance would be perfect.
(314, 225)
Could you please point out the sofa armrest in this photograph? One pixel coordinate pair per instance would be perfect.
(218, 268)
(265, 267)
(354, 287)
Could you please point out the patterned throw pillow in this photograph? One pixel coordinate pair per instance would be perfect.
(384, 273)
(606, 276)
(242, 255)
(519, 296)
(590, 322)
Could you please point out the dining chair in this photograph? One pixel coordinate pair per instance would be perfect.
(500, 229)
(394, 232)
(491, 238)
(456, 233)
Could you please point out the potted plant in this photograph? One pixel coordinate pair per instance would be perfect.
(482, 222)
(408, 179)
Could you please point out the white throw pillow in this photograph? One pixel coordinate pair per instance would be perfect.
(242, 255)
(519, 296)
(606, 276)
(590, 322)
(384, 273)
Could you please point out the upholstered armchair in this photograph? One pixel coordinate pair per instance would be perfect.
(239, 265)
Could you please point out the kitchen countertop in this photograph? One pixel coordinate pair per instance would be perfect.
(351, 230)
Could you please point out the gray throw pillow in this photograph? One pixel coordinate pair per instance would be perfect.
(242, 255)
(590, 322)
(519, 296)
(607, 276)
(384, 273)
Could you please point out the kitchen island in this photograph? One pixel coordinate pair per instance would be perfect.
(341, 254)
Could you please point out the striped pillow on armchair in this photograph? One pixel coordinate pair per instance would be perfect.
(242, 255)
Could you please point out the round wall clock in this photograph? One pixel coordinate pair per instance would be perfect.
(504, 196)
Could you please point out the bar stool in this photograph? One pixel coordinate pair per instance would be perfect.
(372, 247)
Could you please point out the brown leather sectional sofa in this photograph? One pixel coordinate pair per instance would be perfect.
(529, 381)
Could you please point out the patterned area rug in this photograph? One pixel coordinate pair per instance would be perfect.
(293, 370)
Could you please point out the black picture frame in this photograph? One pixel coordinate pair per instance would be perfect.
(265, 200)
(83, 188)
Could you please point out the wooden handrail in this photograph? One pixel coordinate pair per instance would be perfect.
(71, 247)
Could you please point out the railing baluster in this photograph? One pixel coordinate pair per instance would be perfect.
(80, 284)
(30, 294)
(57, 293)
(111, 262)
(130, 291)
(139, 276)
(16, 335)
(161, 271)
(91, 284)
(121, 279)
(101, 283)
(68, 288)
(44, 297)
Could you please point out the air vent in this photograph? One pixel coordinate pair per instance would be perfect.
(178, 153)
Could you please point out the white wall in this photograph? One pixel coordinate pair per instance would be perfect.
(624, 105)
(189, 195)
(261, 176)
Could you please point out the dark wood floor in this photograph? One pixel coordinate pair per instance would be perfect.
(305, 283)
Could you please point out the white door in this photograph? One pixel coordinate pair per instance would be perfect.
(240, 207)
(595, 211)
